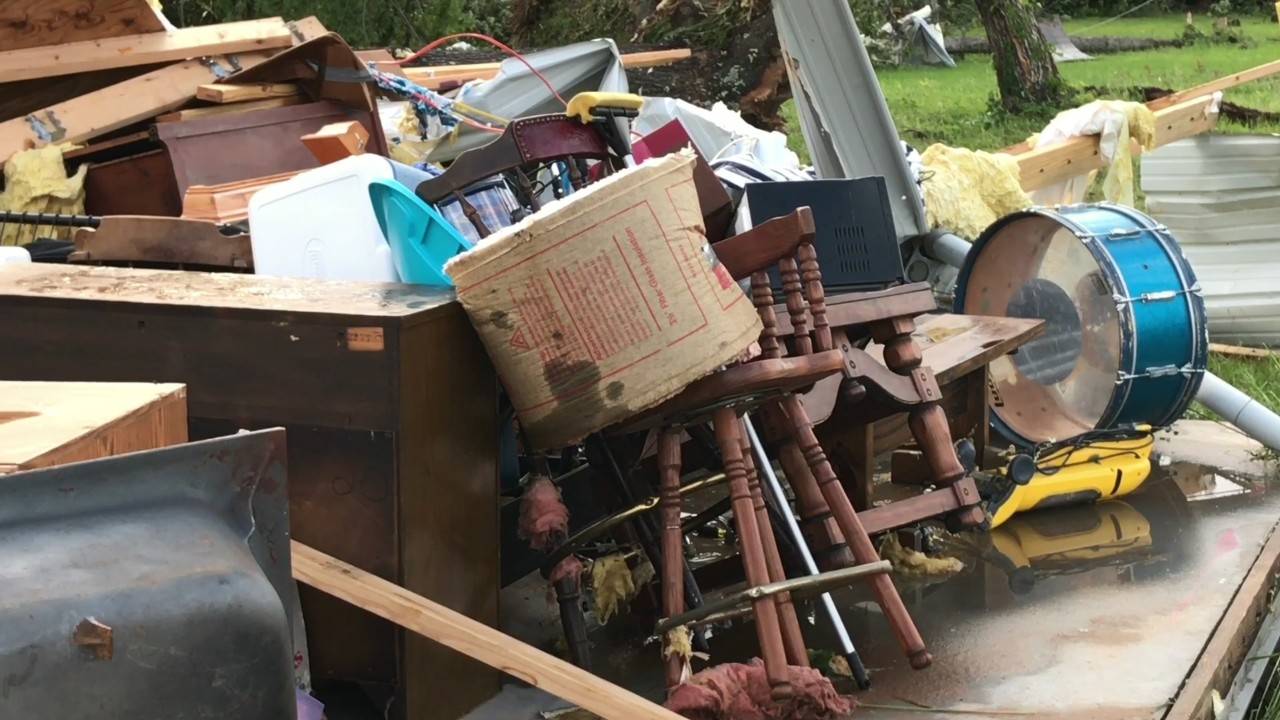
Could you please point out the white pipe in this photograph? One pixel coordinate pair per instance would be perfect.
(1240, 410)
(946, 247)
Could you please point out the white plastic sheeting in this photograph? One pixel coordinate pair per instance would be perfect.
(1220, 197)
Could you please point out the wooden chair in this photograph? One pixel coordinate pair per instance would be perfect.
(769, 381)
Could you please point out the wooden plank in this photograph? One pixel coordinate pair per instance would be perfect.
(226, 203)
(1223, 83)
(201, 112)
(227, 93)
(1239, 351)
(435, 76)
(113, 107)
(1225, 651)
(146, 49)
(1041, 167)
(955, 345)
(43, 424)
(459, 632)
(32, 23)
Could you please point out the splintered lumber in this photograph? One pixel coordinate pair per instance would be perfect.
(1041, 167)
(116, 106)
(436, 76)
(336, 141)
(229, 108)
(43, 424)
(1223, 83)
(469, 637)
(32, 23)
(146, 49)
(227, 93)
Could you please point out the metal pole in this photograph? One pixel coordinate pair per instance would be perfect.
(793, 528)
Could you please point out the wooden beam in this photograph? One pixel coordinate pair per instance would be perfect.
(151, 48)
(1225, 651)
(1238, 351)
(113, 107)
(193, 113)
(33, 23)
(1223, 83)
(436, 76)
(1041, 167)
(227, 93)
(469, 637)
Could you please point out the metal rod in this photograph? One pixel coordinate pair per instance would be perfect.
(811, 583)
(52, 220)
(859, 670)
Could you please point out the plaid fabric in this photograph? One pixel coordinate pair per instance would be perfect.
(491, 198)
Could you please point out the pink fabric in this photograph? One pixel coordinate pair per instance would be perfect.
(544, 519)
(570, 567)
(736, 691)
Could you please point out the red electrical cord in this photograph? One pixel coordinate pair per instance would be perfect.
(496, 43)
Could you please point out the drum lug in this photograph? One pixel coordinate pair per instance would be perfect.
(1156, 296)
(1159, 371)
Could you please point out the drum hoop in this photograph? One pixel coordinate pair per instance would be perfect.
(1195, 306)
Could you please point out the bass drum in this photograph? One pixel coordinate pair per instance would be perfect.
(1125, 339)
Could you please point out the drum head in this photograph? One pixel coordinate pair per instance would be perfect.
(1059, 385)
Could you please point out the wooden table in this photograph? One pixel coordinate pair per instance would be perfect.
(391, 409)
(43, 424)
(958, 348)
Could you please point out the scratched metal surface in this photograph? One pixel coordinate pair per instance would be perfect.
(182, 552)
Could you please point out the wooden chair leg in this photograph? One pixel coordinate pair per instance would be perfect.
(928, 422)
(821, 530)
(792, 636)
(573, 621)
(725, 422)
(859, 542)
(672, 539)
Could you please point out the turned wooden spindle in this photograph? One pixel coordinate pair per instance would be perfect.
(762, 298)
(768, 631)
(797, 308)
(792, 636)
(855, 534)
(928, 421)
(672, 539)
(811, 277)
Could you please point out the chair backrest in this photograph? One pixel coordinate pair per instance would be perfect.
(525, 142)
(786, 242)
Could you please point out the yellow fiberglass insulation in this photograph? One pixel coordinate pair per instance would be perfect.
(614, 587)
(967, 190)
(36, 181)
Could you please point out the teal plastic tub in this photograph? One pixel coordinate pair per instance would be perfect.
(421, 240)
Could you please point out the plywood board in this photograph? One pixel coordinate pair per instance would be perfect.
(227, 93)
(32, 23)
(145, 49)
(43, 424)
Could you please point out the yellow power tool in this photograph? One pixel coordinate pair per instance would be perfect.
(1095, 466)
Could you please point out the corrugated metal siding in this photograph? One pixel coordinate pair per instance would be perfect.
(1220, 197)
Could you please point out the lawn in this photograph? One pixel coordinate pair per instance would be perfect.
(951, 105)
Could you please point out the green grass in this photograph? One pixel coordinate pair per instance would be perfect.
(951, 105)
(1259, 378)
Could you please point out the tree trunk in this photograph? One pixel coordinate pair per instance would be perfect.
(1025, 70)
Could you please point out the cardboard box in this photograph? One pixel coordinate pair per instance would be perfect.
(604, 304)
